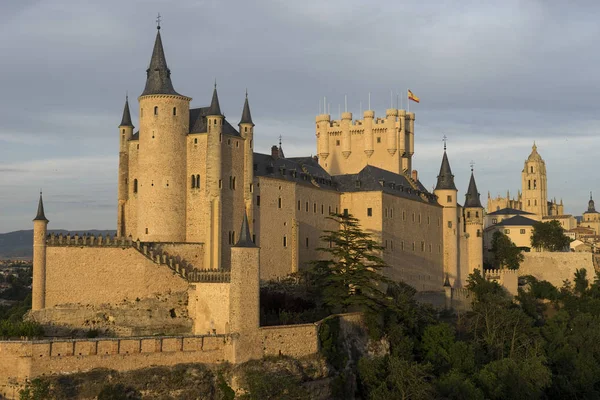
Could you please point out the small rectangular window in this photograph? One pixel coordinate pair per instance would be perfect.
(279, 202)
(258, 201)
(307, 206)
(449, 199)
(522, 231)
(413, 246)
(391, 213)
(285, 241)
(507, 231)
(322, 209)
(422, 246)
(307, 243)
(298, 205)
(337, 142)
(385, 212)
(378, 140)
(345, 212)
(369, 212)
(449, 224)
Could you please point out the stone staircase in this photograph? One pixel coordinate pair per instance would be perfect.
(180, 266)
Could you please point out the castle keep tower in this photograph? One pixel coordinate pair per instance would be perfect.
(40, 229)
(346, 147)
(446, 192)
(473, 216)
(164, 124)
(534, 184)
(125, 134)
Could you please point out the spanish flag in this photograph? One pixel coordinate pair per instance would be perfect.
(412, 97)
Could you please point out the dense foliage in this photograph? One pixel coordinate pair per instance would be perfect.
(11, 316)
(506, 253)
(549, 236)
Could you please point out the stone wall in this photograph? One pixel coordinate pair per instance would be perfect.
(100, 275)
(290, 340)
(191, 252)
(21, 360)
(209, 307)
(556, 267)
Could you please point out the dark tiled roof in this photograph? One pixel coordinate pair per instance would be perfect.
(445, 177)
(198, 122)
(517, 220)
(472, 196)
(158, 74)
(126, 120)
(246, 116)
(510, 211)
(302, 170)
(215, 108)
(135, 136)
(245, 237)
(40, 211)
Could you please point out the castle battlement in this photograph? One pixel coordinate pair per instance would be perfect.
(69, 239)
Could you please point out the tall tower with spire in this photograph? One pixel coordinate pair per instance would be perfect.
(161, 184)
(446, 193)
(40, 230)
(125, 134)
(534, 184)
(473, 216)
(246, 127)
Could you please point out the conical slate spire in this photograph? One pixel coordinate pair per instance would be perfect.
(40, 212)
(214, 108)
(245, 237)
(126, 120)
(472, 196)
(158, 75)
(445, 178)
(246, 117)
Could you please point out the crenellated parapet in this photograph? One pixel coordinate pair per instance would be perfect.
(68, 239)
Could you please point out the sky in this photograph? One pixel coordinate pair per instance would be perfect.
(492, 76)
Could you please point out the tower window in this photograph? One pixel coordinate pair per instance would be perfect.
(135, 186)
(258, 201)
(146, 231)
(422, 246)
(369, 212)
(468, 214)
(449, 199)
(337, 142)
(345, 212)
(279, 202)
(476, 214)
(529, 185)
(307, 206)
(478, 233)
(193, 182)
(322, 209)
(198, 181)
(449, 224)
(298, 205)
(285, 241)
(307, 243)
(195, 140)
(378, 140)
(155, 110)
(535, 183)
(174, 110)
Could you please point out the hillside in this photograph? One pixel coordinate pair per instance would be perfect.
(18, 244)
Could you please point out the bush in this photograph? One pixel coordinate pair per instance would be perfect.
(119, 392)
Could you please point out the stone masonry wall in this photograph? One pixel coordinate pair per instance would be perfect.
(556, 267)
(99, 275)
(21, 360)
(290, 340)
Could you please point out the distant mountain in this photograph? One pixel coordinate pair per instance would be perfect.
(19, 244)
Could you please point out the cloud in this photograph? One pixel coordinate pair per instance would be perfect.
(492, 76)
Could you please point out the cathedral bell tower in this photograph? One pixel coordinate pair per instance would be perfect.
(534, 184)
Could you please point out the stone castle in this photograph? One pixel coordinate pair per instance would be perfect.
(188, 180)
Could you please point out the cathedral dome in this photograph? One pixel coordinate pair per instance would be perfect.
(534, 156)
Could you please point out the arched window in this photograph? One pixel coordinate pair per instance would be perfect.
(155, 110)
(174, 110)
(193, 181)
(468, 214)
(135, 187)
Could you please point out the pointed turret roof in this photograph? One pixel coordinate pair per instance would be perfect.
(245, 237)
(246, 117)
(40, 211)
(214, 108)
(126, 120)
(472, 197)
(445, 179)
(591, 206)
(158, 74)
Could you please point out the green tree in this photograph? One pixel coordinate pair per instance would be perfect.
(506, 253)
(549, 236)
(352, 276)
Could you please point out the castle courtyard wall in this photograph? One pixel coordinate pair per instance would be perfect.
(99, 275)
(556, 267)
(191, 252)
(208, 306)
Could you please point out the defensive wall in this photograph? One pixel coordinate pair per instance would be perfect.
(555, 267)
(26, 359)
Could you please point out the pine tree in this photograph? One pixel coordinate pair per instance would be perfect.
(352, 277)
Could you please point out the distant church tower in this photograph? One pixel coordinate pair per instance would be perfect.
(446, 192)
(473, 216)
(534, 184)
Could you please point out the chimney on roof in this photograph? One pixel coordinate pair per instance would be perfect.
(415, 175)
(275, 152)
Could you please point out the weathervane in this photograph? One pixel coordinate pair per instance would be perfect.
(444, 139)
(472, 164)
(158, 21)
(280, 141)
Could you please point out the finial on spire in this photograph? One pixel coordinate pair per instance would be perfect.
(472, 164)
(246, 92)
(280, 140)
(590, 195)
(215, 83)
(158, 21)
(444, 139)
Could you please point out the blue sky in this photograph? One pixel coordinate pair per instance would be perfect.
(493, 77)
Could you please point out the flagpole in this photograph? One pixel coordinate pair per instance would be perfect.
(407, 102)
